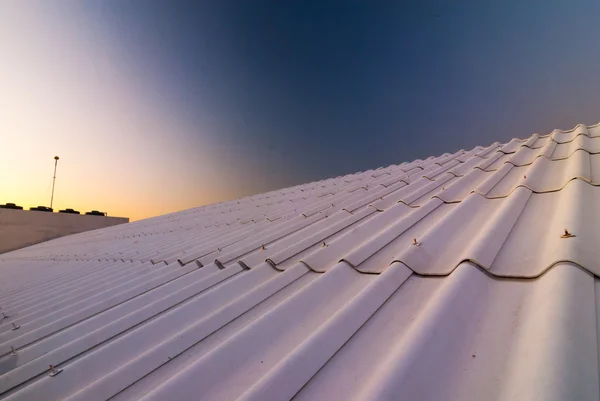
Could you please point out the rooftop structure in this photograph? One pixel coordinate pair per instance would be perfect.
(20, 228)
(466, 276)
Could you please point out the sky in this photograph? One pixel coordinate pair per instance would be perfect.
(158, 106)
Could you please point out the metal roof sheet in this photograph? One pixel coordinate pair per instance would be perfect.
(466, 276)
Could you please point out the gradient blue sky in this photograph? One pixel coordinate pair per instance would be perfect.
(193, 102)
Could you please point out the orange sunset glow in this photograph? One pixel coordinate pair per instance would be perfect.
(63, 93)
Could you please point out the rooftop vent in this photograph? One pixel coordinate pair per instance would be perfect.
(71, 211)
(95, 213)
(11, 206)
(42, 209)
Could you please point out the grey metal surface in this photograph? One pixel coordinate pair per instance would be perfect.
(447, 278)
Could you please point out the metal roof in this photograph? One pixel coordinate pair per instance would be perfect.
(467, 276)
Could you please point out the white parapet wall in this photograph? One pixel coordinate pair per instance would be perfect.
(21, 228)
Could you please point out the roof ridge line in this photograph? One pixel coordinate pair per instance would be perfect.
(568, 130)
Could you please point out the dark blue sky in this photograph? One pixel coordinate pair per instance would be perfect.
(299, 91)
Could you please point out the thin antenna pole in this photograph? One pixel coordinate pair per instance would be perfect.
(53, 180)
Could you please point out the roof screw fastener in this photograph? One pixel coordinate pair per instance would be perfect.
(12, 351)
(567, 234)
(324, 245)
(525, 177)
(4, 316)
(263, 248)
(15, 327)
(415, 242)
(54, 371)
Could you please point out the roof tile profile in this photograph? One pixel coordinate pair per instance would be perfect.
(467, 276)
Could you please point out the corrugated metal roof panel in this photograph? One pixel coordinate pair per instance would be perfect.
(466, 276)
